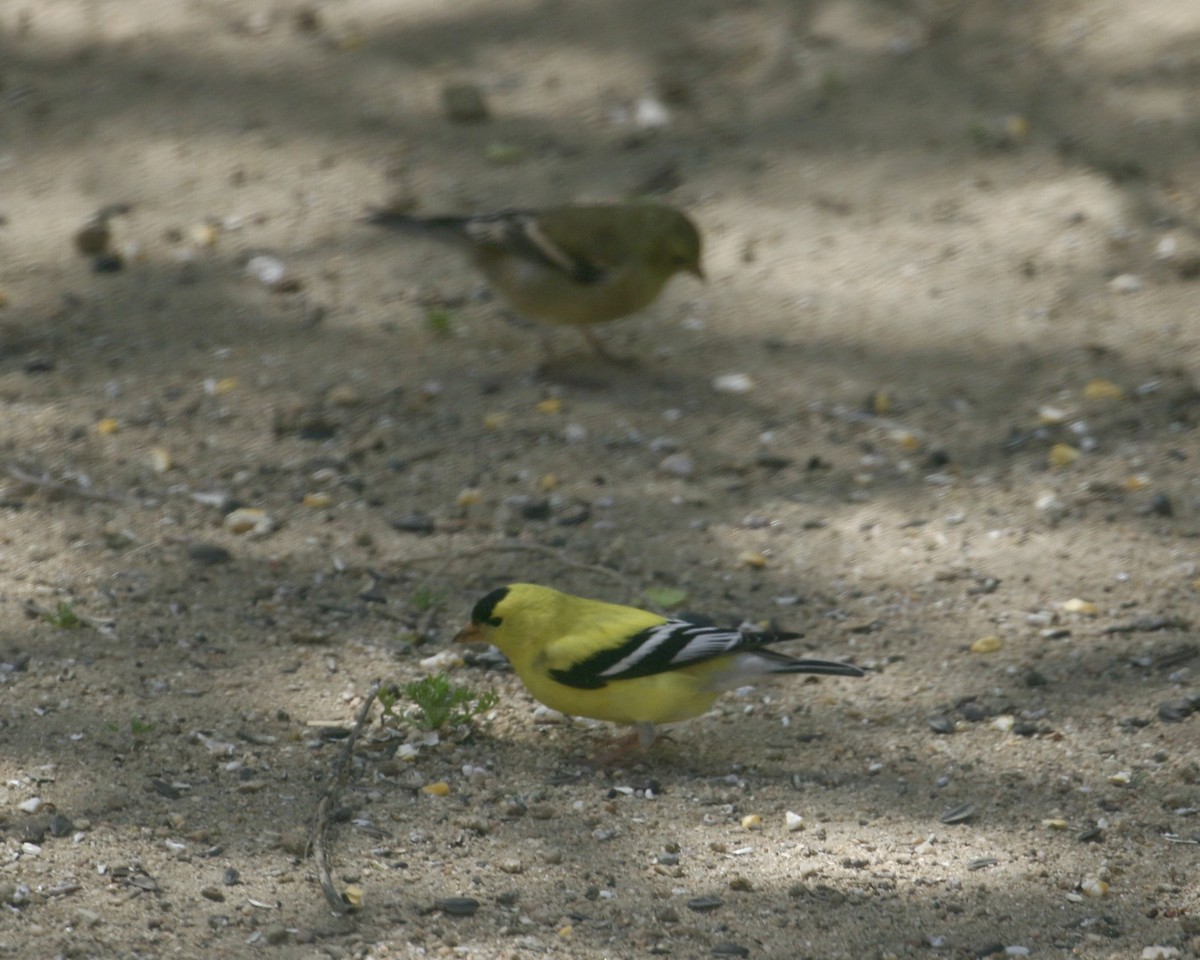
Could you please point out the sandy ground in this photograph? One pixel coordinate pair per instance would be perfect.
(954, 255)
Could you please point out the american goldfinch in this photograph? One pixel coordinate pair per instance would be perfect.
(602, 660)
(571, 265)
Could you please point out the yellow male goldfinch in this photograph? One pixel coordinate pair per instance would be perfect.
(609, 662)
(571, 265)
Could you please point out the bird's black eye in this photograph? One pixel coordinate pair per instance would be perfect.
(485, 610)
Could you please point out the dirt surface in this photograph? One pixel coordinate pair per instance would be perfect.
(953, 254)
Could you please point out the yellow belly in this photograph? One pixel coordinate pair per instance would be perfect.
(662, 698)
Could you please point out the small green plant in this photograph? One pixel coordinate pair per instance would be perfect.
(140, 728)
(438, 702)
(439, 321)
(424, 599)
(64, 616)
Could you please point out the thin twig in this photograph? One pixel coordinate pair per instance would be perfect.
(35, 609)
(849, 415)
(341, 773)
(43, 482)
(513, 546)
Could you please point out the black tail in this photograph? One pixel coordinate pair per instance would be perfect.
(781, 663)
(448, 229)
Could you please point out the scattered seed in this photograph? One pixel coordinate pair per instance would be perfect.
(1102, 390)
(1062, 455)
(752, 822)
(1084, 607)
(752, 559)
(208, 554)
(959, 814)
(457, 906)
(987, 645)
(418, 523)
(705, 904)
(942, 724)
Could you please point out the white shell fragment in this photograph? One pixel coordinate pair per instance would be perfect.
(269, 271)
(651, 114)
(251, 520)
(733, 383)
(1094, 888)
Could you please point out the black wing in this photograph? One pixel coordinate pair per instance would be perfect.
(667, 646)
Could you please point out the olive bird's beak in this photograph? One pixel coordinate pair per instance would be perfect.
(470, 634)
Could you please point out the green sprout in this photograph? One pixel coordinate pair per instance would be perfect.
(439, 321)
(139, 728)
(439, 703)
(64, 617)
(424, 599)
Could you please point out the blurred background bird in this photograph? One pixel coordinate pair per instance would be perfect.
(587, 658)
(576, 265)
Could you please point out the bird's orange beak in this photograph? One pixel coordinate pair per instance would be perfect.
(470, 634)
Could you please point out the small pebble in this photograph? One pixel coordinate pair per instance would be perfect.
(1125, 283)
(464, 103)
(705, 904)
(793, 821)
(678, 465)
(1175, 711)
